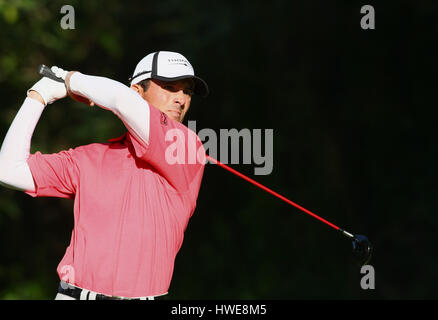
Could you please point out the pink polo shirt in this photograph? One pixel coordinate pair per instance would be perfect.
(131, 206)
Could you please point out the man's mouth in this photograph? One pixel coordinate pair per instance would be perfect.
(175, 113)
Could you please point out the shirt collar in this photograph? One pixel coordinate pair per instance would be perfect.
(123, 137)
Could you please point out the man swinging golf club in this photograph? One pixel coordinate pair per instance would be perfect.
(130, 215)
(131, 207)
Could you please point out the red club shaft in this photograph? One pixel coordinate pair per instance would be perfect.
(212, 160)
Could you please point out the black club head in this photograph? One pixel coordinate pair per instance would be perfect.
(362, 249)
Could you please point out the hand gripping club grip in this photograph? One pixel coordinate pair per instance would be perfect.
(46, 72)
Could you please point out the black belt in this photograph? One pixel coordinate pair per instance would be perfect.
(75, 292)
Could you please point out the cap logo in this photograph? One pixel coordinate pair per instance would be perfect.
(178, 61)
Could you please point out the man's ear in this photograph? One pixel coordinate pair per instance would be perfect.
(138, 88)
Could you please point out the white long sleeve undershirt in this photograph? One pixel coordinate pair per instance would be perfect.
(106, 93)
(112, 95)
(14, 170)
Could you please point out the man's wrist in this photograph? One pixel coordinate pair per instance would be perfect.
(67, 80)
(36, 96)
(71, 92)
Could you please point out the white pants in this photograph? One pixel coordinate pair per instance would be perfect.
(61, 296)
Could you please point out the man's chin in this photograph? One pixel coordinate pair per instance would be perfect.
(175, 118)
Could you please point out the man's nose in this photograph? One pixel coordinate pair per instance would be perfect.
(179, 98)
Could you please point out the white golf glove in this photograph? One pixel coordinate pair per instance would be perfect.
(51, 90)
(60, 73)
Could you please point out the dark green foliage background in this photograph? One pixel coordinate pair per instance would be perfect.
(353, 114)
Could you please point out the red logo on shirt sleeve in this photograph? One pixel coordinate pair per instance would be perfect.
(163, 119)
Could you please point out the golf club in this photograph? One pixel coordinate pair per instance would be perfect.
(46, 72)
(362, 247)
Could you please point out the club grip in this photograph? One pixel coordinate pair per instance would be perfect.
(46, 72)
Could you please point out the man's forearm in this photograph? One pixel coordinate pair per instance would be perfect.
(15, 150)
(115, 96)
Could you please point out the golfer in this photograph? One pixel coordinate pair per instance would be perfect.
(132, 200)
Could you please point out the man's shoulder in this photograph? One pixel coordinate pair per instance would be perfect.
(98, 147)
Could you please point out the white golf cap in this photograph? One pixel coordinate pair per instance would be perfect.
(167, 66)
